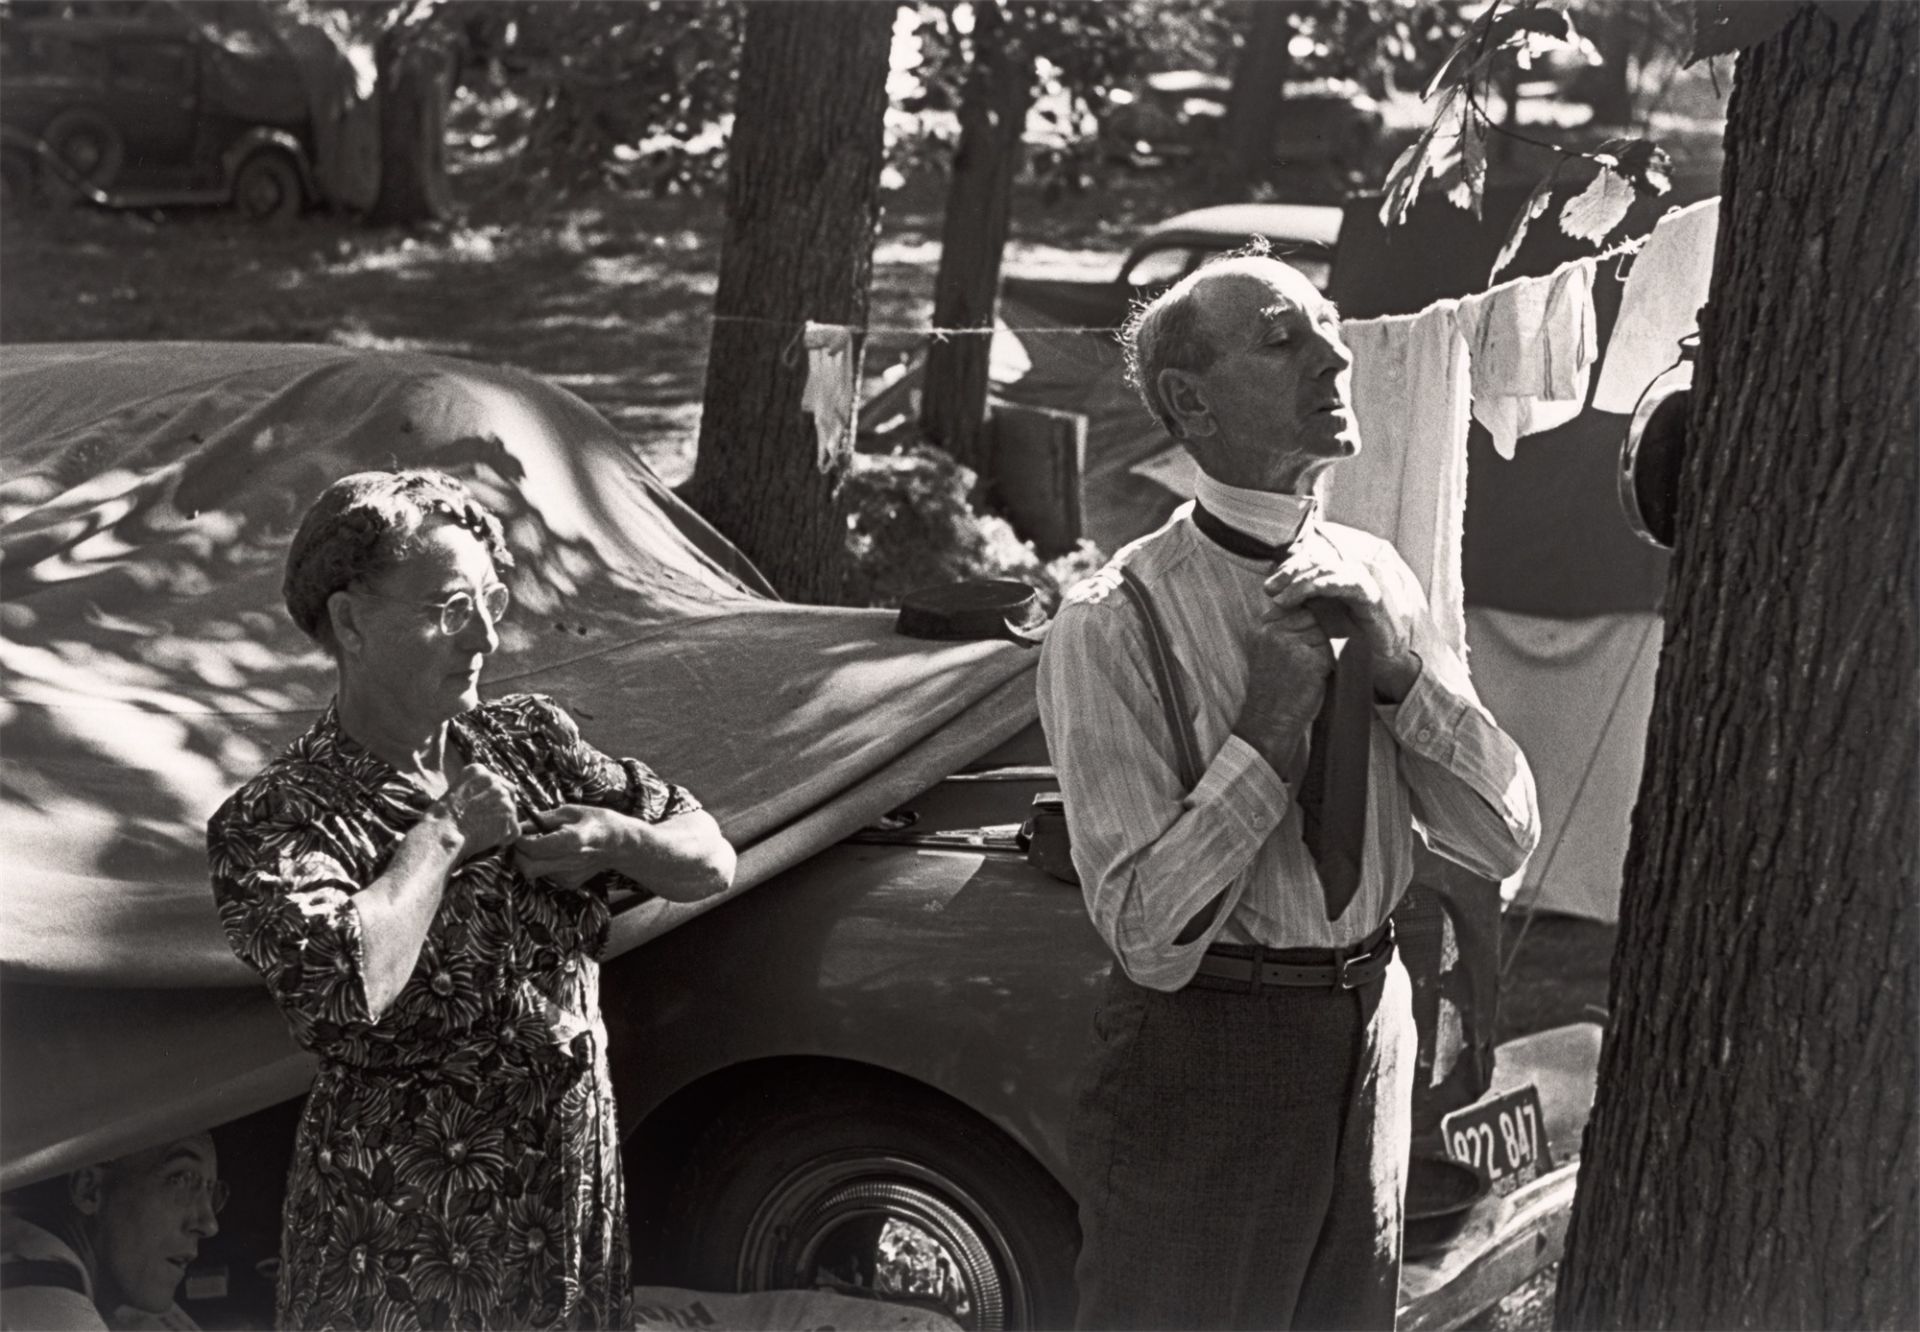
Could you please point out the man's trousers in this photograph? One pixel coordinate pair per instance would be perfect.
(1240, 1158)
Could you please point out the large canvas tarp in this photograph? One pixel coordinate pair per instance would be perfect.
(148, 497)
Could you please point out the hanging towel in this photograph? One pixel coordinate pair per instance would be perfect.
(1408, 483)
(1575, 695)
(1660, 304)
(829, 392)
(1531, 344)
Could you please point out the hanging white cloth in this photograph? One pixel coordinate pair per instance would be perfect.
(1531, 343)
(1408, 483)
(1660, 305)
(1575, 695)
(829, 392)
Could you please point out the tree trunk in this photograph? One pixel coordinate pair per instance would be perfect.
(1611, 86)
(416, 85)
(1751, 1157)
(993, 112)
(1245, 150)
(803, 201)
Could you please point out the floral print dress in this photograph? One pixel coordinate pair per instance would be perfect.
(457, 1164)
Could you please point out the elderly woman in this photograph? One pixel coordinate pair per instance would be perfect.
(422, 881)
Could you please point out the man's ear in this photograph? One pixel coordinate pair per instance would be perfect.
(344, 616)
(1186, 400)
(86, 1189)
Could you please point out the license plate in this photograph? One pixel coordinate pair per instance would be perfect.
(1504, 1139)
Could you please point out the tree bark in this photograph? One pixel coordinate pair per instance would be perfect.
(803, 201)
(1255, 102)
(416, 85)
(1751, 1157)
(973, 235)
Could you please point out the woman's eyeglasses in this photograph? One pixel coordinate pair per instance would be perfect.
(186, 1186)
(456, 612)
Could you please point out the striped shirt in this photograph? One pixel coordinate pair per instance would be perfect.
(1152, 853)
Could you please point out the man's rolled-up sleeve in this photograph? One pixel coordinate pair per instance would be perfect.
(1151, 853)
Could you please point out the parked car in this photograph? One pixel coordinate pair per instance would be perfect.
(145, 112)
(1326, 139)
(853, 1074)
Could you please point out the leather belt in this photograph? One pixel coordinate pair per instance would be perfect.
(1248, 970)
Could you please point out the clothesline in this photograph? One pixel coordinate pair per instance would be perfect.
(939, 332)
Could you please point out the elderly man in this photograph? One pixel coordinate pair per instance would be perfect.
(1240, 1138)
(107, 1245)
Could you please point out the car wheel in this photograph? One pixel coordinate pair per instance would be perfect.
(870, 1191)
(88, 145)
(266, 188)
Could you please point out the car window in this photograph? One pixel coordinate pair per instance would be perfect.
(1159, 267)
(49, 54)
(154, 65)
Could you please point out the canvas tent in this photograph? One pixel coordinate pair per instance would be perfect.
(148, 496)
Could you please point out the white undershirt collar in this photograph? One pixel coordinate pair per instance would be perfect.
(1274, 519)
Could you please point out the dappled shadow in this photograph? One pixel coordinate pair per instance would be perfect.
(151, 668)
(609, 296)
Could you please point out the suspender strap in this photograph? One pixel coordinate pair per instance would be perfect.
(1179, 721)
(1166, 674)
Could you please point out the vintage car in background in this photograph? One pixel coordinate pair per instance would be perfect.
(853, 1074)
(152, 111)
(1327, 139)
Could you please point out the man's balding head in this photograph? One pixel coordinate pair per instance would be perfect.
(1242, 362)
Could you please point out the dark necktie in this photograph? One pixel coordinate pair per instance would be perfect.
(1333, 790)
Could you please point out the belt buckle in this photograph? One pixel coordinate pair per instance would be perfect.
(1343, 970)
(1344, 979)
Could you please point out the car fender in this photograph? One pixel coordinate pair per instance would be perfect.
(967, 971)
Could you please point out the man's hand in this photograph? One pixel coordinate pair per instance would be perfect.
(1315, 569)
(479, 804)
(569, 844)
(1288, 662)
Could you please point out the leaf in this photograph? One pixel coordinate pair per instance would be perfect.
(1457, 68)
(1471, 187)
(1599, 208)
(399, 1291)
(1535, 205)
(383, 1177)
(1525, 27)
(1723, 27)
(1414, 165)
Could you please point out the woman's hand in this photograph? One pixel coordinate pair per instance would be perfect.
(683, 859)
(480, 806)
(569, 844)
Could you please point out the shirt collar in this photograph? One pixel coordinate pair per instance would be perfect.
(1277, 520)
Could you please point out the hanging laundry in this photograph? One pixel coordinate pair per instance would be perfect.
(1576, 696)
(1408, 483)
(829, 392)
(1531, 344)
(1661, 303)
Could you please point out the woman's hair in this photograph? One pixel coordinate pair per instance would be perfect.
(363, 525)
